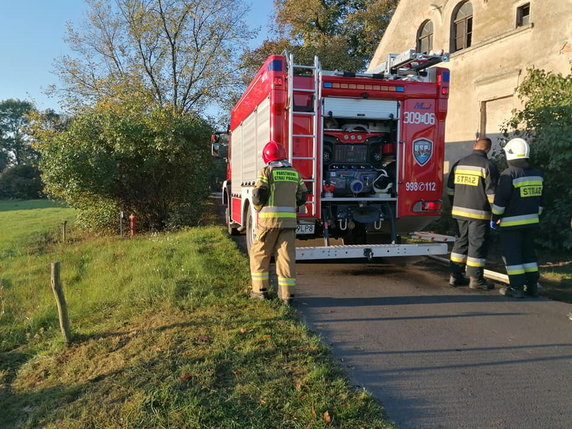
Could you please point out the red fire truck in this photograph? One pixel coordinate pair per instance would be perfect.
(369, 146)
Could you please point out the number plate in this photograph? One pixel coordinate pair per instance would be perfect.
(305, 229)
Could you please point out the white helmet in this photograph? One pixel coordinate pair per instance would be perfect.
(516, 149)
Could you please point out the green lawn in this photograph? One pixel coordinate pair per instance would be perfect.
(32, 223)
(164, 336)
(17, 205)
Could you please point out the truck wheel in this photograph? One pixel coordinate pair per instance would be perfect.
(249, 230)
(231, 230)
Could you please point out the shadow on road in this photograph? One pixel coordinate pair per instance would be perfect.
(324, 301)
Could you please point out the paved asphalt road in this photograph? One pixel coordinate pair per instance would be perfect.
(438, 357)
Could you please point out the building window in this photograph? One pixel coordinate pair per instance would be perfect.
(462, 31)
(523, 15)
(425, 37)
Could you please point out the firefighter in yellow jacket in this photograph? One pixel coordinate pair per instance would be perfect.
(279, 189)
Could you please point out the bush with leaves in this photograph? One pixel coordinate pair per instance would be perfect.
(546, 123)
(152, 163)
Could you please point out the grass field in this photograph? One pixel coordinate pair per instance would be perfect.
(25, 225)
(164, 337)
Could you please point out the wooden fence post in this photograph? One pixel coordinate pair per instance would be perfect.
(61, 302)
(64, 231)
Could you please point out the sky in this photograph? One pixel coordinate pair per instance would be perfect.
(32, 37)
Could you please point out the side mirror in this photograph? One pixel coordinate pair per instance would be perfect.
(215, 147)
(219, 144)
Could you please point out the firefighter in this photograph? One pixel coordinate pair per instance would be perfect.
(278, 191)
(516, 210)
(471, 186)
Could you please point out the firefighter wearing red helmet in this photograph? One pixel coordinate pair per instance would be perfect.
(278, 191)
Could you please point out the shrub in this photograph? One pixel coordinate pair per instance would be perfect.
(151, 163)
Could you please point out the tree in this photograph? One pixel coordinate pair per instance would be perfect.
(150, 162)
(177, 53)
(343, 33)
(361, 23)
(3, 158)
(546, 122)
(15, 143)
(21, 181)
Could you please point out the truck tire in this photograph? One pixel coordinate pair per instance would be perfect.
(249, 229)
(231, 230)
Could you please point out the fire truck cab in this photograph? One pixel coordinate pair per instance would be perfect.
(370, 148)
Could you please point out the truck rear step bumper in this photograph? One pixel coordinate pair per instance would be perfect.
(369, 251)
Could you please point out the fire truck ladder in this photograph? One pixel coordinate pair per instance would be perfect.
(316, 72)
(409, 62)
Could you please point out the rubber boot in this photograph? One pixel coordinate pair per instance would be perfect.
(512, 292)
(285, 296)
(531, 290)
(258, 295)
(458, 280)
(479, 283)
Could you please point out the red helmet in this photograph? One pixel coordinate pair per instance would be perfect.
(272, 151)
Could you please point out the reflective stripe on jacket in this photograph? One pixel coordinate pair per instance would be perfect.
(472, 183)
(283, 186)
(519, 196)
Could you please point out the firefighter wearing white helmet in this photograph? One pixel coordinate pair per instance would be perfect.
(279, 189)
(516, 210)
(516, 148)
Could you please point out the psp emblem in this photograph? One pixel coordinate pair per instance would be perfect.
(422, 151)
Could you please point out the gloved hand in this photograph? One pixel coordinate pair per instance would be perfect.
(494, 225)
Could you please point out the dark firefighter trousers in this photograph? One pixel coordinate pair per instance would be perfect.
(470, 249)
(280, 242)
(519, 256)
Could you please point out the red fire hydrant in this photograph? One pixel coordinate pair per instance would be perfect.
(132, 224)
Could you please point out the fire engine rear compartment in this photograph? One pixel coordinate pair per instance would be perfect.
(348, 151)
(359, 165)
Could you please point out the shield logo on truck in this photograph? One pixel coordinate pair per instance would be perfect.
(422, 151)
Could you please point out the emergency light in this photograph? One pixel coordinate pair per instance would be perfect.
(431, 205)
(426, 206)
